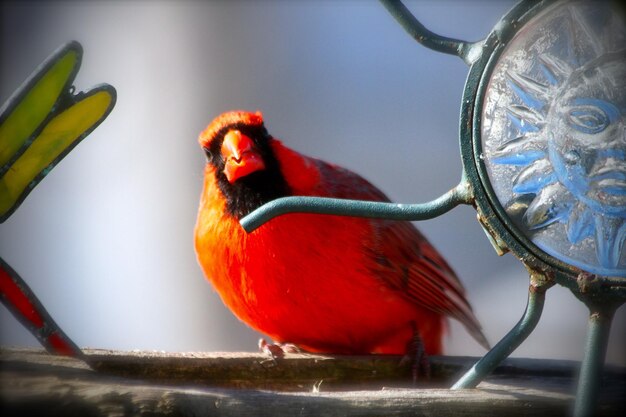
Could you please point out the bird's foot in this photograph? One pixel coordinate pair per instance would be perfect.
(416, 356)
(277, 350)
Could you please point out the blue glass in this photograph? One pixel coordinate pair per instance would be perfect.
(554, 134)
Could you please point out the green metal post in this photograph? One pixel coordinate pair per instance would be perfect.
(591, 368)
(467, 51)
(461, 194)
(510, 342)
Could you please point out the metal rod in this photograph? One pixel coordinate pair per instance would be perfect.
(510, 342)
(593, 362)
(467, 51)
(372, 209)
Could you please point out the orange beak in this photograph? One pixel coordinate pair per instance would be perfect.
(240, 156)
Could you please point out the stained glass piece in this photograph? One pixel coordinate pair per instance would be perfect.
(27, 109)
(56, 139)
(554, 134)
(43, 120)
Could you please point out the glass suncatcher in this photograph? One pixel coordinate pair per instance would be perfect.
(553, 134)
(39, 125)
(543, 144)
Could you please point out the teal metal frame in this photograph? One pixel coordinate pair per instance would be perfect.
(322, 205)
(536, 299)
(602, 295)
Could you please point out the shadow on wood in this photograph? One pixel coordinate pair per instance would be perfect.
(35, 383)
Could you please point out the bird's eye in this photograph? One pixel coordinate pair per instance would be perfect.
(208, 154)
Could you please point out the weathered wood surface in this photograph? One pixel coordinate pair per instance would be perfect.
(34, 383)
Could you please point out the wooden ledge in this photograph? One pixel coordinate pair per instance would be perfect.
(34, 383)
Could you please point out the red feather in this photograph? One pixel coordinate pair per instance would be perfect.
(328, 283)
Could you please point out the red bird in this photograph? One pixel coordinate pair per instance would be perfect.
(324, 283)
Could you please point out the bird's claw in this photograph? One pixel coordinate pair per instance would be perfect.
(277, 350)
(416, 356)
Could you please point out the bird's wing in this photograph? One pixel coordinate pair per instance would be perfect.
(402, 256)
(408, 262)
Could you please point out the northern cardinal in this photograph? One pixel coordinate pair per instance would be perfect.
(324, 283)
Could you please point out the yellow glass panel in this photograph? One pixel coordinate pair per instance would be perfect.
(58, 135)
(37, 103)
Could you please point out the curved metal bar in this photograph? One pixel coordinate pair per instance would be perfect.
(467, 51)
(510, 342)
(591, 368)
(460, 194)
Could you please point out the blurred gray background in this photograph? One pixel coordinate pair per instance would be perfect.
(106, 240)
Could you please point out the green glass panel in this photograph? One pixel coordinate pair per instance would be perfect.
(39, 94)
(58, 137)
